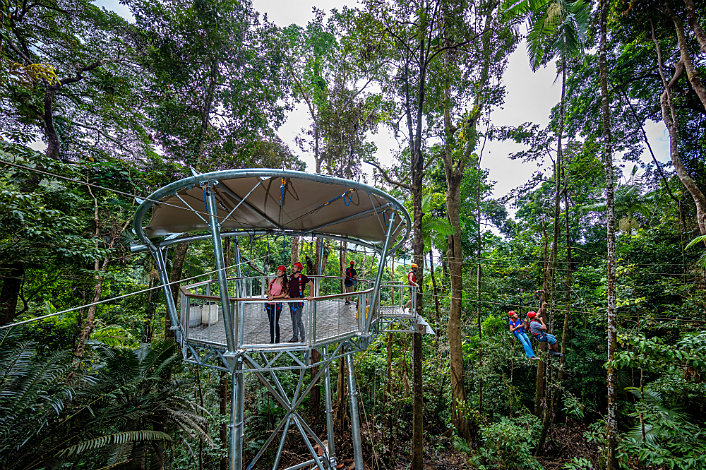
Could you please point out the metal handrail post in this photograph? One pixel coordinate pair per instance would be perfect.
(238, 311)
(378, 278)
(355, 418)
(317, 288)
(211, 208)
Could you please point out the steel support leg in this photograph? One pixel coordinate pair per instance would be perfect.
(211, 207)
(329, 410)
(378, 279)
(159, 258)
(355, 419)
(237, 412)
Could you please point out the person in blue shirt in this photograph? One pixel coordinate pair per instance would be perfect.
(517, 327)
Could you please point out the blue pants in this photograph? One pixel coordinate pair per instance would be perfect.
(546, 338)
(525, 342)
(296, 310)
(273, 311)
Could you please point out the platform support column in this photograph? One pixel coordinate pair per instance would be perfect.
(329, 410)
(237, 412)
(159, 258)
(355, 418)
(212, 209)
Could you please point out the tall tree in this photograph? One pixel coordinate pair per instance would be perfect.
(333, 84)
(467, 80)
(401, 35)
(611, 418)
(218, 79)
(557, 28)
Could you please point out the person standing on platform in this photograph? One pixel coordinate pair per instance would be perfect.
(297, 284)
(412, 282)
(277, 289)
(350, 281)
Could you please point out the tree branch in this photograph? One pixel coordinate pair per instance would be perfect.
(387, 177)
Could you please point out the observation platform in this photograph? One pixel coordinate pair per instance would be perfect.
(222, 323)
(326, 318)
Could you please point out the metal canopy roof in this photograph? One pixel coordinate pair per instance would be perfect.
(274, 200)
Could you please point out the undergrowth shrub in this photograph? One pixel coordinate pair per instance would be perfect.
(508, 444)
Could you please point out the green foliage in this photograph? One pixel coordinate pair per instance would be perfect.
(509, 443)
(51, 413)
(665, 437)
(698, 241)
(579, 463)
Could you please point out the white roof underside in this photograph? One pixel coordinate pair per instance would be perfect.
(302, 204)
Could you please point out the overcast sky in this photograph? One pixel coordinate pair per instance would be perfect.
(529, 98)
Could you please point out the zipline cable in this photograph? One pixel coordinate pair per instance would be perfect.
(587, 312)
(160, 286)
(97, 186)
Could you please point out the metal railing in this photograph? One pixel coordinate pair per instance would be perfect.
(326, 318)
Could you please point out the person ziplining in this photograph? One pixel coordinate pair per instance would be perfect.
(517, 328)
(539, 331)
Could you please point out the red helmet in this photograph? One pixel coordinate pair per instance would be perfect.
(511, 313)
(298, 265)
(352, 262)
(281, 268)
(531, 314)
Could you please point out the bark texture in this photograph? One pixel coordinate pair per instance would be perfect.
(695, 24)
(669, 117)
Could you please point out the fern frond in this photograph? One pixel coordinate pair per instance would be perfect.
(118, 439)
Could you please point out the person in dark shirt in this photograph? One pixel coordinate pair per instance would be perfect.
(539, 331)
(297, 284)
(350, 280)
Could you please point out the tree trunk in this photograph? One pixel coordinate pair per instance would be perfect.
(295, 250)
(695, 24)
(453, 329)
(150, 304)
(436, 290)
(569, 281)
(670, 121)
(549, 403)
(11, 285)
(611, 418)
(540, 390)
(341, 396)
(418, 406)
(88, 325)
(178, 259)
(342, 255)
(691, 72)
(388, 376)
(50, 132)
